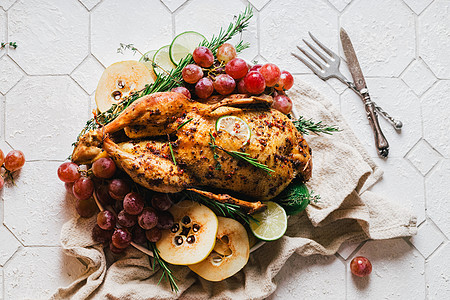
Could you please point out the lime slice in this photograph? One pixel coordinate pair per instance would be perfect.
(272, 223)
(161, 58)
(150, 54)
(236, 127)
(184, 44)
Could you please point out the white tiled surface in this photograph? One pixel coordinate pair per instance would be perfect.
(46, 88)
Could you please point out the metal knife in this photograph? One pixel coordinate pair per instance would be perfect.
(360, 83)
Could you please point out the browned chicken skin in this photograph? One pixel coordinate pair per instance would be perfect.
(274, 142)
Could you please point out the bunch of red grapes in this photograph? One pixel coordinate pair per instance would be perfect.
(228, 74)
(13, 161)
(125, 217)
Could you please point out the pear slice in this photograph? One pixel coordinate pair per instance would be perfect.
(219, 265)
(119, 80)
(192, 236)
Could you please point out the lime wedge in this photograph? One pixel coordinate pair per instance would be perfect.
(161, 58)
(184, 44)
(272, 223)
(236, 127)
(150, 54)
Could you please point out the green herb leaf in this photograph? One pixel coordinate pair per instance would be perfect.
(306, 126)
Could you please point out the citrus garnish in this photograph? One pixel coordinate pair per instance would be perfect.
(162, 59)
(270, 224)
(184, 44)
(236, 127)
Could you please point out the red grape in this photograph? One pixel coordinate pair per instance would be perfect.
(203, 57)
(118, 188)
(116, 250)
(14, 160)
(2, 182)
(286, 81)
(254, 83)
(2, 157)
(255, 68)
(271, 74)
(192, 73)
(118, 205)
(104, 167)
(125, 219)
(182, 90)
(241, 87)
(103, 196)
(226, 52)
(139, 235)
(282, 103)
(224, 84)
(236, 68)
(360, 266)
(161, 202)
(68, 172)
(101, 236)
(204, 88)
(106, 220)
(148, 218)
(121, 238)
(83, 188)
(153, 235)
(133, 203)
(86, 208)
(165, 220)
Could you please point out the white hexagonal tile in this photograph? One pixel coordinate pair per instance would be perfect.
(438, 274)
(418, 77)
(347, 248)
(296, 18)
(8, 246)
(116, 21)
(427, 239)
(2, 30)
(394, 96)
(36, 272)
(195, 14)
(43, 208)
(396, 267)
(403, 184)
(438, 201)
(418, 5)
(52, 35)
(321, 86)
(9, 75)
(1, 283)
(44, 115)
(6, 4)
(423, 157)
(340, 4)
(382, 34)
(434, 37)
(299, 277)
(173, 4)
(435, 108)
(89, 4)
(258, 4)
(88, 74)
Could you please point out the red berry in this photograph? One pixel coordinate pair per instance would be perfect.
(282, 103)
(14, 160)
(204, 88)
(285, 82)
(182, 90)
(255, 68)
(241, 87)
(236, 68)
(224, 84)
(203, 57)
(360, 266)
(68, 172)
(255, 83)
(271, 74)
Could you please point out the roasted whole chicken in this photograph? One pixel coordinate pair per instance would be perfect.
(157, 123)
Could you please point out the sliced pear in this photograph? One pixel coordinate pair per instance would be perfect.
(221, 264)
(193, 235)
(119, 80)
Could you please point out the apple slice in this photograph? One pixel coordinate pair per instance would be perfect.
(119, 80)
(230, 253)
(192, 236)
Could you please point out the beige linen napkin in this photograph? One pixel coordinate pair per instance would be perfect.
(342, 173)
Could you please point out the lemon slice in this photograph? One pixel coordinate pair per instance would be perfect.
(272, 223)
(236, 127)
(149, 54)
(184, 44)
(162, 59)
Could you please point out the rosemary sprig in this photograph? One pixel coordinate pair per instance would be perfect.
(239, 156)
(184, 123)
(306, 126)
(171, 151)
(167, 273)
(10, 44)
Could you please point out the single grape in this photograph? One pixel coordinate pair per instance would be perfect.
(360, 266)
(103, 196)
(192, 73)
(101, 236)
(203, 57)
(2, 157)
(255, 68)
(241, 87)
(236, 68)
(118, 205)
(165, 220)
(121, 238)
(2, 182)
(104, 167)
(133, 203)
(226, 52)
(106, 220)
(153, 235)
(68, 172)
(254, 83)
(204, 88)
(182, 90)
(148, 218)
(83, 188)
(86, 208)
(224, 84)
(125, 219)
(116, 250)
(282, 103)
(161, 202)
(271, 74)
(118, 188)
(14, 160)
(285, 82)
(139, 235)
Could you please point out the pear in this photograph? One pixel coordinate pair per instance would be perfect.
(230, 253)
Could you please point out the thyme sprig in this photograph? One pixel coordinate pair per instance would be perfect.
(306, 126)
(167, 273)
(10, 44)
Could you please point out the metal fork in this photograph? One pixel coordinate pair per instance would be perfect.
(330, 69)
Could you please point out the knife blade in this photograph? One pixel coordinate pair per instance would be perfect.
(352, 61)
